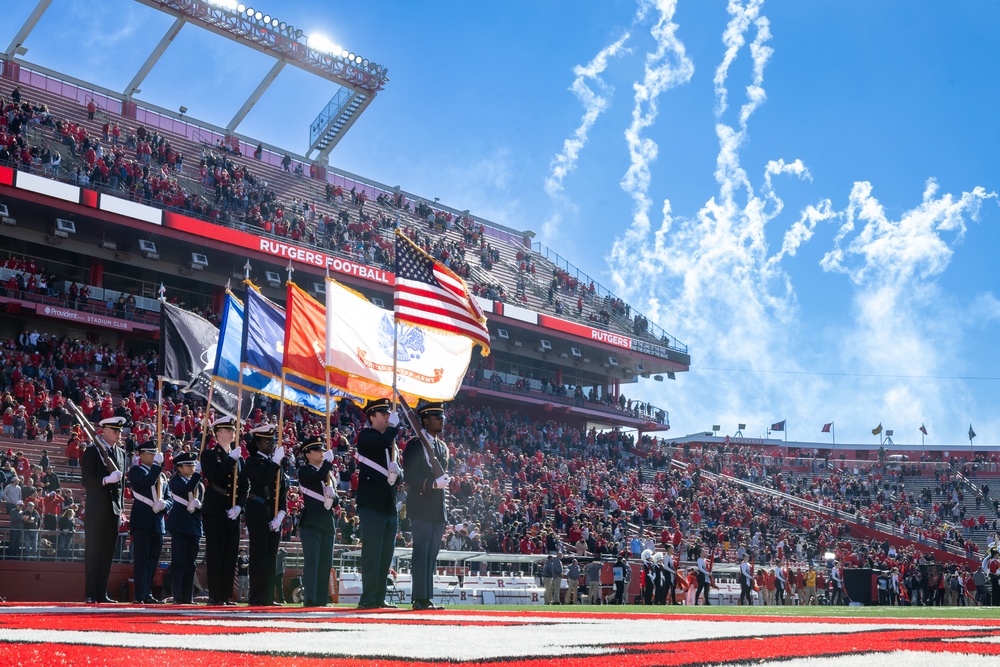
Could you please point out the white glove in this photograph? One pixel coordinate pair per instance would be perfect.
(197, 466)
(328, 491)
(394, 472)
(194, 505)
(328, 455)
(235, 453)
(277, 521)
(394, 419)
(441, 482)
(159, 506)
(113, 478)
(278, 454)
(234, 512)
(158, 458)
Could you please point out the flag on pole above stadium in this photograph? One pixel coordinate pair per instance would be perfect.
(187, 351)
(263, 345)
(778, 426)
(827, 427)
(431, 296)
(972, 434)
(877, 429)
(923, 429)
(227, 361)
(360, 347)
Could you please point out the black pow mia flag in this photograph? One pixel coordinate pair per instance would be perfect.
(188, 344)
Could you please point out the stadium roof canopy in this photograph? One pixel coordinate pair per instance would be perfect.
(359, 78)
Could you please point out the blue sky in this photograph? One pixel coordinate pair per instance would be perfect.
(803, 192)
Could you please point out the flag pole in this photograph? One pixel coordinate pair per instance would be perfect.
(281, 442)
(239, 426)
(326, 368)
(159, 387)
(281, 417)
(159, 414)
(833, 434)
(205, 422)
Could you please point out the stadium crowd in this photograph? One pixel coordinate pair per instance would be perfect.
(147, 166)
(517, 485)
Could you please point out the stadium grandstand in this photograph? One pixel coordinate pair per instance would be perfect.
(109, 205)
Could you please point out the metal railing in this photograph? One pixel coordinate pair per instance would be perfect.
(652, 332)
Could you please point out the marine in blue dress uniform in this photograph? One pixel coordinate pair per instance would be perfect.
(267, 481)
(184, 524)
(316, 525)
(426, 504)
(105, 499)
(150, 504)
(378, 476)
(222, 468)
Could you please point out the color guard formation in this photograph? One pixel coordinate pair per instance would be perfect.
(212, 494)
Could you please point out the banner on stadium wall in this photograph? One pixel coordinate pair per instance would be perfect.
(589, 333)
(276, 248)
(85, 318)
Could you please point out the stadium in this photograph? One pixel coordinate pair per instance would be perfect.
(112, 208)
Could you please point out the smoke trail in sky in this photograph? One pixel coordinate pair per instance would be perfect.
(712, 279)
(595, 96)
(594, 102)
(666, 67)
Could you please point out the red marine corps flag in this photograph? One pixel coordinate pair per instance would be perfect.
(430, 295)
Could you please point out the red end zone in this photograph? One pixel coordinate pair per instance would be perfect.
(69, 635)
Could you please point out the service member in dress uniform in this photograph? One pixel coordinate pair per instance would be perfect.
(660, 577)
(670, 567)
(150, 503)
(426, 504)
(316, 525)
(267, 482)
(105, 498)
(222, 468)
(378, 476)
(184, 524)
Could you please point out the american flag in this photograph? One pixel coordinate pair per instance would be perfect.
(428, 294)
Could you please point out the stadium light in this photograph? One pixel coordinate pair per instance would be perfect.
(226, 4)
(322, 43)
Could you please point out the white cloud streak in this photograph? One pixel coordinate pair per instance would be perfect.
(666, 67)
(713, 280)
(595, 96)
(595, 101)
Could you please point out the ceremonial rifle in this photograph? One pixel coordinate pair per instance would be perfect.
(109, 463)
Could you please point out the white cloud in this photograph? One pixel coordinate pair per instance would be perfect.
(734, 39)
(594, 102)
(712, 279)
(595, 96)
(666, 67)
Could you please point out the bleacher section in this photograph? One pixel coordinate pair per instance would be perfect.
(295, 191)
